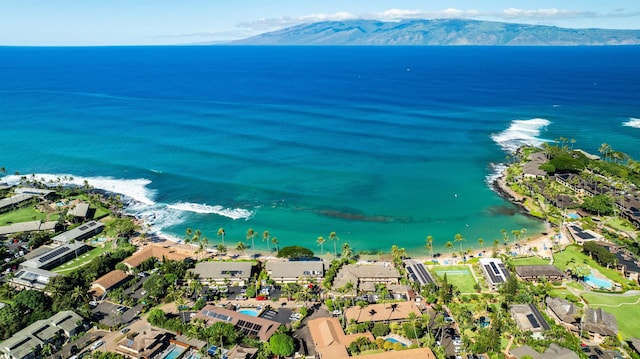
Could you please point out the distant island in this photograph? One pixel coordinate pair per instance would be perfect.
(439, 32)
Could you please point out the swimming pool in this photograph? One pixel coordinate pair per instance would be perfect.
(596, 282)
(573, 215)
(175, 352)
(393, 340)
(248, 311)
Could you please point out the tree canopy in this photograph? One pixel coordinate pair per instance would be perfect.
(295, 252)
(281, 344)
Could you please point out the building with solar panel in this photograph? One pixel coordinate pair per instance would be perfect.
(418, 272)
(495, 271)
(56, 256)
(529, 318)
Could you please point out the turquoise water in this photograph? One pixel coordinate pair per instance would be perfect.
(251, 312)
(384, 145)
(573, 215)
(597, 282)
(175, 352)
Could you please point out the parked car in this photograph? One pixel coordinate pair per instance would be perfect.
(96, 345)
(125, 330)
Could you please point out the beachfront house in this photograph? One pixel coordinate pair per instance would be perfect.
(30, 340)
(223, 272)
(158, 252)
(531, 169)
(365, 277)
(418, 272)
(534, 273)
(292, 272)
(495, 271)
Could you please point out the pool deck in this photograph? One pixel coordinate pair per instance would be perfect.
(406, 342)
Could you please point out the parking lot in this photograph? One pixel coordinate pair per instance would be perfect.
(113, 315)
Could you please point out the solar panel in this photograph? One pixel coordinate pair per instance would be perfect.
(53, 254)
(533, 321)
(84, 228)
(504, 270)
(91, 224)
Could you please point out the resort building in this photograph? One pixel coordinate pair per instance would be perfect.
(580, 235)
(528, 317)
(158, 252)
(495, 271)
(148, 343)
(292, 272)
(254, 327)
(14, 202)
(31, 278)
(331, 342)
(563, 312)
(82, 232)
(37, 192)
(56, 256)
(418, 272)
(25, 343)
(219, 272)
(364, 277)
(384, 312)
(533, 273)
(599, 323)
(107, 282)
(31, 226)
(80, 211)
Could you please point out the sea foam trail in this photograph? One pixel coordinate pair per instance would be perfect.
(633, 122)
(497, 169)
(521, 132)
(233, 213)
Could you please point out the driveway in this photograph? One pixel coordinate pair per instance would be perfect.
(302, 336)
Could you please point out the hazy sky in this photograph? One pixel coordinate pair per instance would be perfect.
(127, 22)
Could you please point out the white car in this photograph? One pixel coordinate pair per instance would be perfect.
(96, 345)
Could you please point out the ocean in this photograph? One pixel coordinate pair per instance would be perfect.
(383, 145)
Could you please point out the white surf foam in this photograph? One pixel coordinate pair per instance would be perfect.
(497, 169)
(633, 122)
(233, 213)
(521, 132)
(138, 200)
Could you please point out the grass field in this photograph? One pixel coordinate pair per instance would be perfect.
(574, 252)
(460, 276)
(82, 259)
(25, 214)
(530, 261)
(624, 308)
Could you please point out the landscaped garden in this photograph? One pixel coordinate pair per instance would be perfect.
(25, 214)
(528, 261)
(82, 259)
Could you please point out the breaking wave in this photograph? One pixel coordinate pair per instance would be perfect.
(633, 122)
(521, 132)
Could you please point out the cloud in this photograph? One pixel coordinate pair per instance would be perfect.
(266, 24)
(552, 13)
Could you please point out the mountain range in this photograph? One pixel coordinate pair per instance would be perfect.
(444, 32)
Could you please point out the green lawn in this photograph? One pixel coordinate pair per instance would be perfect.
(82, 259)
(530, 261)
(624, 308)
(460, 276)
(25, 214)
(619, 224)
(575, 285)
(574, 252)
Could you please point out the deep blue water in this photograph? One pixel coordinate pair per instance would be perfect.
(383, 145)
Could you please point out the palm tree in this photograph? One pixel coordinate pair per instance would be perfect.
(480, 242)
(429, 244)
(333, 237)
(250, 235)
(265, 238)
(347, 252)
(275, 243)
(320, 242)
(459, 238)
(204, 243)
(188, 235)
(221, 234)
(516, 235)
(412, 318)
(241, 247)
(495, 245)
(449, 245)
